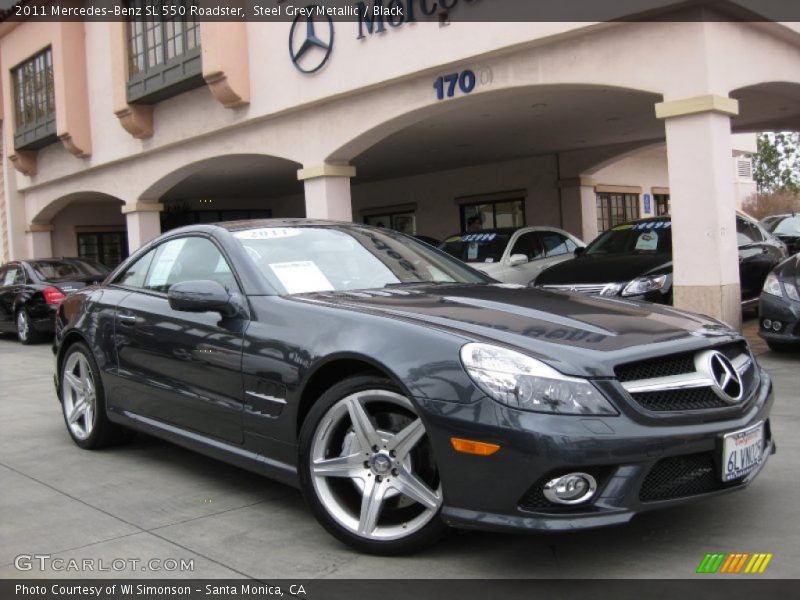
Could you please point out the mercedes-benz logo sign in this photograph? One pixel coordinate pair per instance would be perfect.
(310, 41)
(727, 381)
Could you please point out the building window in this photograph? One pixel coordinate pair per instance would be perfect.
(662, 204)
(34, 102)
(613, 209)
(163, 54)
(405, 222)
(108, 248)
(491, 215)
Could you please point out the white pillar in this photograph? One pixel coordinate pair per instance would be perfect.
(703, 205)
(39, 240)
(579, 207)
(143, 223)
(327, 191)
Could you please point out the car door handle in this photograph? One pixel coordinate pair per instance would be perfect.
(127, 319)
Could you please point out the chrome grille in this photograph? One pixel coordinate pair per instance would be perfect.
(582, 288)
(683, 382)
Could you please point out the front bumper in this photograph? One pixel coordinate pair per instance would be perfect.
(498, 492)
(786, 311)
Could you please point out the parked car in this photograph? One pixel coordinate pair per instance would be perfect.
(31, 290)
(513, 255)
(786, 228)
(779, 307)
(404, 391)
(634, 260)
(428, 240)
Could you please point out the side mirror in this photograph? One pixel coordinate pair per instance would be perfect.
(203, 296)
(579, 251)
(517, 259)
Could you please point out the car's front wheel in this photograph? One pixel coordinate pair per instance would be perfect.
(367, 468)
(83, 401)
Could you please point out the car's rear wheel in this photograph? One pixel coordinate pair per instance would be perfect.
(367, 468)
(25, 331)
(83, 401)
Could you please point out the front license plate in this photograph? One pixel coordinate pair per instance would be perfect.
(741, 451)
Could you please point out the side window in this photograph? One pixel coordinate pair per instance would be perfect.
(529, 245)
(13, 276)
(3, 272)
(556, 244)
(746, 232)
(134, 275)
(188, 259)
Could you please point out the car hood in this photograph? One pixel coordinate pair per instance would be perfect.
(559, 327)
(604, 268)
(789, 270)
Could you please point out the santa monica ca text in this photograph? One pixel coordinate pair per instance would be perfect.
(140, 589)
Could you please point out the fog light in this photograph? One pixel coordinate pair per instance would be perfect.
(573, 488)
(776, 325)
(767, 324)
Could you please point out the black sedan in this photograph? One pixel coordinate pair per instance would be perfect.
(31, 290)
(634, 260)
(404, 392)
(779, 307)
(786, 228)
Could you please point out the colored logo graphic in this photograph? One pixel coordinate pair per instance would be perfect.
(735, 564)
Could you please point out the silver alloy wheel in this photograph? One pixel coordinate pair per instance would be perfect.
(78, 395)
(23, 326)
(378, 463)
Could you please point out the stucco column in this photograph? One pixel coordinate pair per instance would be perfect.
(327, 190)
(704, 246)
(39, 239)
(143, 222)
(579, 207)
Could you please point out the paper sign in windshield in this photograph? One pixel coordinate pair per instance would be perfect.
(647, 241)
(300, 277)
(268, 233)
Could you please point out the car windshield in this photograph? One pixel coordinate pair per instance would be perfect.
(787, 226)
(64, 269)
(485, 247)
(650, 237)
(297, 260)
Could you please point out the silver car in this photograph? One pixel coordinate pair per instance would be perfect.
(513, 255)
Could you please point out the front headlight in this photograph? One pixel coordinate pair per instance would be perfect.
(772, 286)
(520, 381)
(642, 285)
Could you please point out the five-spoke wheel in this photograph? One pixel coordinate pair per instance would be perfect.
(78, 395)
(367, 468)
(83, 401)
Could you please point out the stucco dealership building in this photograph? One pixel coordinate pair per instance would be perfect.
(114, 130)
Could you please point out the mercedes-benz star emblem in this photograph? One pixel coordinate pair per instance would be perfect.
(310, 46)
(727, 381)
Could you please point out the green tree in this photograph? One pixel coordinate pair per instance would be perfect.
(776, 165)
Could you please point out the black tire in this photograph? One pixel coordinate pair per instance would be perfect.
(783, 347)
(429, 533)
(102, 432)
(26, 333)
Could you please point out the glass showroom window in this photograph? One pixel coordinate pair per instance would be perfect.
(662, 204)
(108, 247)
(504, 213)
(613, 209)
(163, 52)
(405, 222)
(34, 102)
